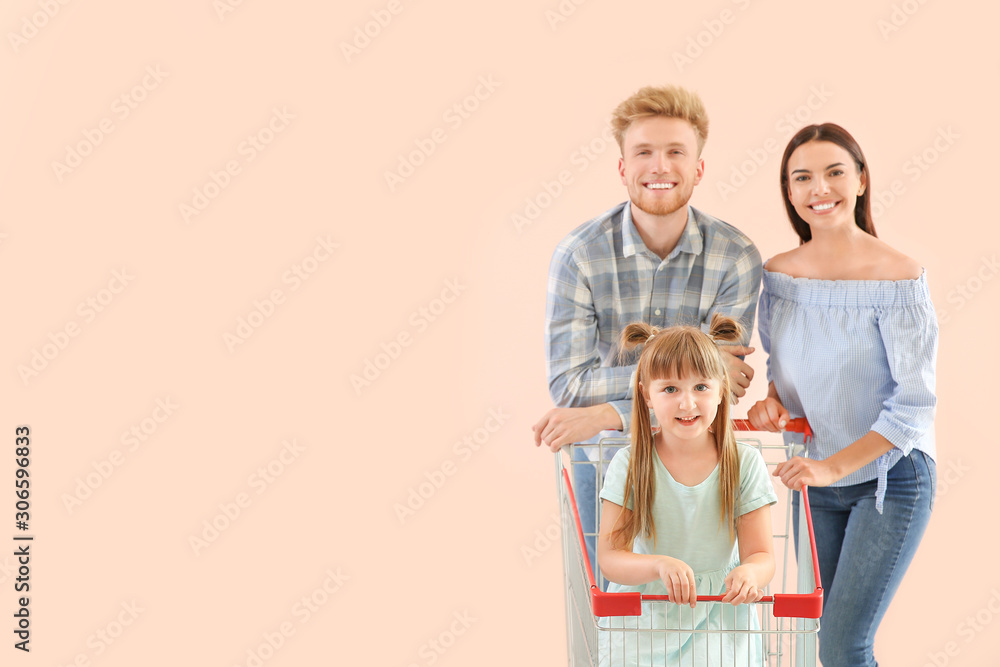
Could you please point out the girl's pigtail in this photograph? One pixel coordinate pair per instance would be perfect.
(639, 481)
(634, 335)
(726, 329)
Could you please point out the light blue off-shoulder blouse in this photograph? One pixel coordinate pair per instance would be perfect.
(853, 356)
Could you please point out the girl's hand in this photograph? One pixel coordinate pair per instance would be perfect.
(678, 577)
(768, 415)
(797, 472)
(741, 587)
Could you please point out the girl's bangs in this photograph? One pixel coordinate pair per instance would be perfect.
(682, 356)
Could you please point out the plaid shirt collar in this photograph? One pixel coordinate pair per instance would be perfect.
(691, 240)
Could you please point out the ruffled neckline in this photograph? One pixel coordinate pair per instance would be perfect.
(867, 293)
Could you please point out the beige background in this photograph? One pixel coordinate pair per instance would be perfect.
(444, 240)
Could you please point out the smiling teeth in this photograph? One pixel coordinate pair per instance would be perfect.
(823, 207)
(660, 186)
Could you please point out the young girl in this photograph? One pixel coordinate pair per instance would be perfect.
(686, 510)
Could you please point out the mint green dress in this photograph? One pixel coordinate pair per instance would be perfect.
(686, 519)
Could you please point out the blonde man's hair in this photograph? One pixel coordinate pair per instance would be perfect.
(667, 101)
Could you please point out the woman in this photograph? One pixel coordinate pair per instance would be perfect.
(851, 335)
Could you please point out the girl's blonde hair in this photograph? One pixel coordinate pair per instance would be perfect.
(677, 352)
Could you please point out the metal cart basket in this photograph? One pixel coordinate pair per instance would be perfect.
(604, 629)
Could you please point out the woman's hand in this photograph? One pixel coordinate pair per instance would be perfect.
(678, 577)
(741, 586)
(768, 415)
(797, 472)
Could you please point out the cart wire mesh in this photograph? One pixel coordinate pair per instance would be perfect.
(618, 629)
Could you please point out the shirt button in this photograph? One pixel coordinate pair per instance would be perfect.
(657, 311)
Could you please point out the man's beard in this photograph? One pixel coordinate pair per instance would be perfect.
(660, 207)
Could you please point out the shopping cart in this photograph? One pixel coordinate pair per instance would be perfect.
(604, 629)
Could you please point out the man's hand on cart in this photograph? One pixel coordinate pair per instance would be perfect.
(741, 587)
(678, 577)
(564, 426)
(740, 372)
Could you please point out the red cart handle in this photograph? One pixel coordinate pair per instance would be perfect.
(797, 605)
(798, 425)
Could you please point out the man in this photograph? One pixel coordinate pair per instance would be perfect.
(653, 259)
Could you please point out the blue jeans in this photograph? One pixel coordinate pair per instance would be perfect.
(863, 555)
